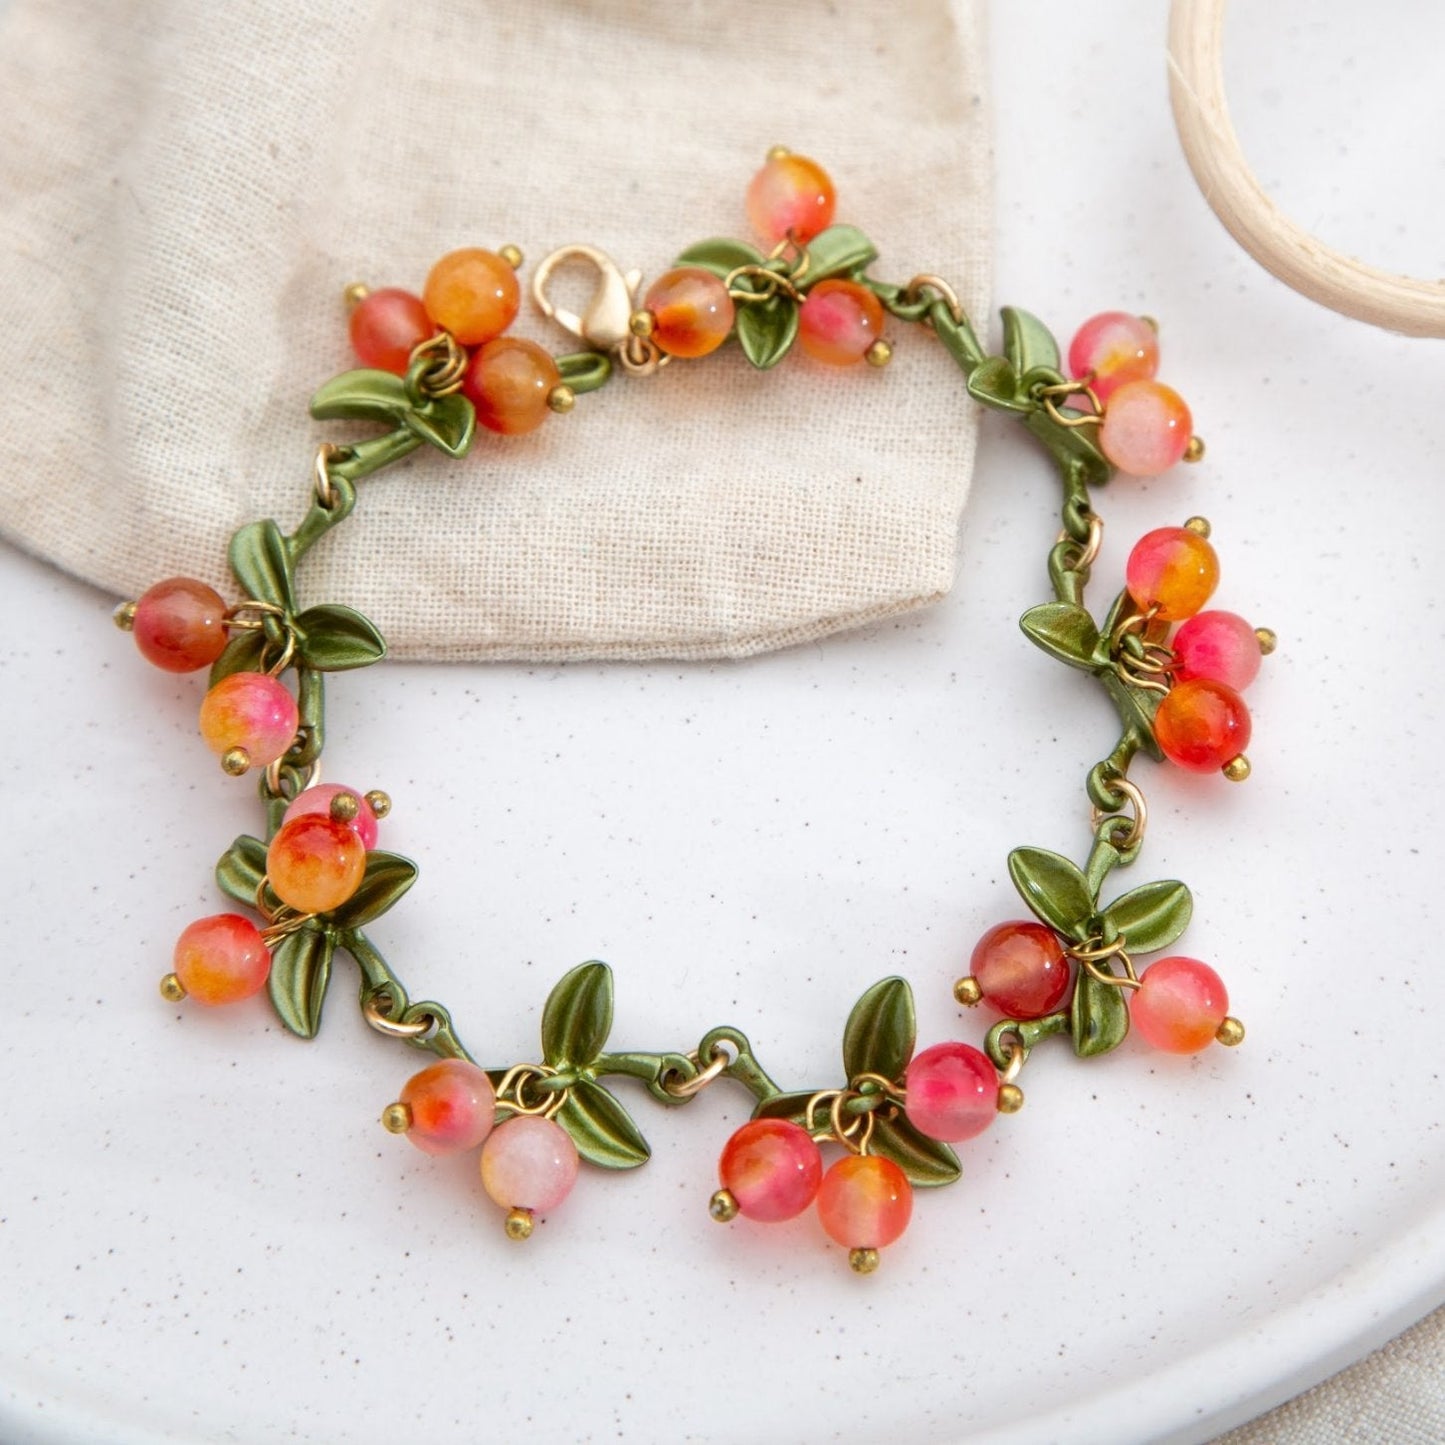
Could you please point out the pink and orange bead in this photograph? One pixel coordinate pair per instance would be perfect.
(771, 1170)
(528, 1162)
(688, 311)
(1146, 427)
(1202, 723)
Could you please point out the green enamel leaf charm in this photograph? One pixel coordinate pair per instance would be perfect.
(928, 1163)
(792, 1106)
(448, 422)
(363, 396)
(995, 383)
(245, 652)
(766, 329)
(1099, 1017)
(300, 972)
(1027, 342)
(721, 255)
(578, 1017)
(1063, 631)
(1054, 888)
(1150, 917)
(262, 565)
(241, 868)
(387, 877)
(600, 1127)
(335, 639)
(838, 251)
(879, 1035)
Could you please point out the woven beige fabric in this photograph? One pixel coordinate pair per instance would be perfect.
(1393, 1397)
(185, 189)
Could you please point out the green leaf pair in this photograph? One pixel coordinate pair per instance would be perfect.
(576, 1021)
(1147, 918)
(448, 423)
(301, 960)
(328, 638)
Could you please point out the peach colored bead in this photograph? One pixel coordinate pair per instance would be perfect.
(180, 624)
(529, 1162)
(315, 863)
(790, 194)
(1221, 646)
(473, 294)
(772, 1168)
(1172, 571)
(1117, 348)
(221, 959)
(1146, 428)
(508, 381)
(252, 711)
(318, 800)
(839, 321)
(1179, 1004)
(691, 309)
(952, 1091)
(452, 1104)
(865, 1201)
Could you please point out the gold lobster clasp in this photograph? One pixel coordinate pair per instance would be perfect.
(606, 322)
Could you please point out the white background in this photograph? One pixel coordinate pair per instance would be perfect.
(206, 1235)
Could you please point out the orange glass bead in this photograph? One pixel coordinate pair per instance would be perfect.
(251, 711)
(839, 321)
(1201, 725)
(790, 194)
(691, 310)
(865, 1201)
(1173, 571)
(180, 624)
(1179, 1005)
(386, 327)
(473, 294)
(508, 381)
(315, 863)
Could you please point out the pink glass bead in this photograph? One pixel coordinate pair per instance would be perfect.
(865, 1201)
(1117, 348)
(952, 1092)
(452, 1105)
(1171, 571)
(1020, 969)
(221, 959)
(1146, 428)
(839, 321)
(180, 624)
(318, 800)
(1221, 646)
(1179, 1005)
(252, 711)
(772, 1168)
(790, 194)
(529, 1162)
(1201, 725)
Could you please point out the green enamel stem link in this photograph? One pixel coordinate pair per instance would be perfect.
(377, 977)
(650, 1069)
(1103, 858)
(584, 371)
(1024, 1032)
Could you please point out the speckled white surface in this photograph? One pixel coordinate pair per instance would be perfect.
(206, 1236)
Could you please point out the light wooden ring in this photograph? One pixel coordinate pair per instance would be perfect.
(1201, 113)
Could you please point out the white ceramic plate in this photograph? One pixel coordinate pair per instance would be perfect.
(206, 1236)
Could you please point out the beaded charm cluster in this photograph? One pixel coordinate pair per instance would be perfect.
(436, 365)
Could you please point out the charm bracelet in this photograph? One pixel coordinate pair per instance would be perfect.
(436, 365)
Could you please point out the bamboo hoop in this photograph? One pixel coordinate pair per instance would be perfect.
(1201, 113)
